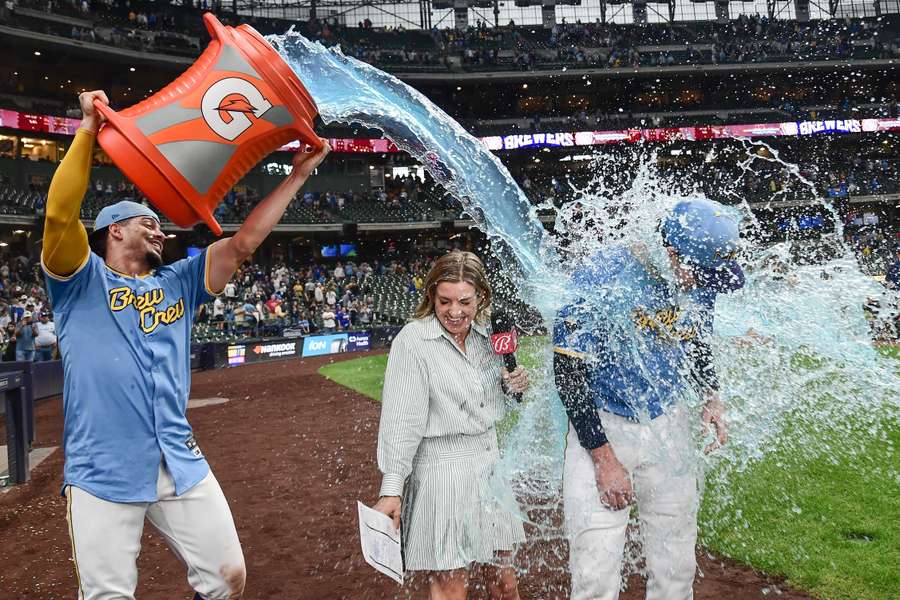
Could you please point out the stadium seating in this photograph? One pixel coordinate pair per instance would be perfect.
(19, 202)
(834, 175)
(377, 212)
(574, 45)
(394, 302)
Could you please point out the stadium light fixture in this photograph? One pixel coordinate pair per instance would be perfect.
(3, 244)
(131, 69)
(524, 86)
(37, 52)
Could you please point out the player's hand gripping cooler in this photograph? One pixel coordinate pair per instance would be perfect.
(188, 144)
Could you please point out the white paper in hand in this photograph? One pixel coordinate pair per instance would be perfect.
(380, 542)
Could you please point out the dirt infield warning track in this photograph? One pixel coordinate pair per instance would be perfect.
(293, 453)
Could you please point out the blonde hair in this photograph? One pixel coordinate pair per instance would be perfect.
(456, 267)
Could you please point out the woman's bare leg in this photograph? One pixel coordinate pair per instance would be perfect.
(449, 585)
(500, 579)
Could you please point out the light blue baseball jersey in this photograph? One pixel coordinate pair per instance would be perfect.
(634, 332)
(125, 345)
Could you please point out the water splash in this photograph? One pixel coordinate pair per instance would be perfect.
(793, 348)
(348, 91)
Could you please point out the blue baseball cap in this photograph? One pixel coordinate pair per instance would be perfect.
(705, 236)
(121, 211)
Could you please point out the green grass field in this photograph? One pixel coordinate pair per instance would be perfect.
(839, 541)
(364, 375)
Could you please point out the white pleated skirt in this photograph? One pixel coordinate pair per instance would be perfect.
(451, 516)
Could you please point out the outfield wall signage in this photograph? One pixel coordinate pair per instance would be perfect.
(254, 352)
(236, 354)
(321, 345)
(359, 341)
(217, 355)
(275, 349)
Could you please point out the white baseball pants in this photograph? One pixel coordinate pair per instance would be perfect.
(198, 526)
(662, 463)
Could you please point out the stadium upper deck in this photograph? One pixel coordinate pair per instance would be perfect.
(746, 70)
(177, 32)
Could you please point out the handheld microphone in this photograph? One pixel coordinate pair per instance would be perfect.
(505, 342)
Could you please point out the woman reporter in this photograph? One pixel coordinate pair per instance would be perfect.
(437, 446)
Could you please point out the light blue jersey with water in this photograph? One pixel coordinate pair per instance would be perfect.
(125, 345)
(635, 333)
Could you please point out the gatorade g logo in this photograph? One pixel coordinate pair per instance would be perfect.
(227, 104)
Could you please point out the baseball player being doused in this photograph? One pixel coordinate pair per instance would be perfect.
(124, 324)
(628, 355)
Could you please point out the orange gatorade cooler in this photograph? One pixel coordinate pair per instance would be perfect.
(188, 144)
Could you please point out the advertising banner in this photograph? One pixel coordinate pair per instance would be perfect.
(236, 354)
(320, 345)
(253, 352)
(218, 355)
(359, 341)
(352, 341)
(49, 124)
(270, 349)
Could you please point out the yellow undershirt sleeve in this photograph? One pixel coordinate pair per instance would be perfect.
(66, 248)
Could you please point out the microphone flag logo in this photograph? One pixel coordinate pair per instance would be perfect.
(506, 342)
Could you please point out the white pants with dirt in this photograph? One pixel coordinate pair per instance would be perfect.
(659, 457)
(198, 526)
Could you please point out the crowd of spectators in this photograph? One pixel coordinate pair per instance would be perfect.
(836, 178)
(410, 197)
(152, 29)
(27, 331)
(258, 301)
(873, 242)
(307, 299)
(809, 174)
(748, 38)
(804, 177)
(610, 45)
(405, 199)
(745, 39)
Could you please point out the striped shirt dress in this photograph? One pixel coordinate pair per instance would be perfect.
(437, 447)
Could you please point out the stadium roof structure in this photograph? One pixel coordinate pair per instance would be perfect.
(425, 14)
